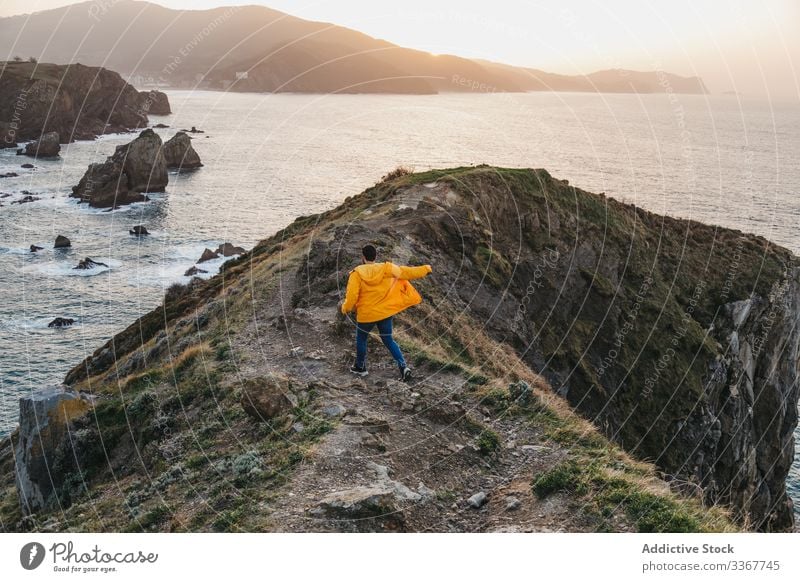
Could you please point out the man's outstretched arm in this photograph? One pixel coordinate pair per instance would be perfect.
(351, 295)
(409, 273)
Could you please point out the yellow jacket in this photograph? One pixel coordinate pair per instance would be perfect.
(380, 290)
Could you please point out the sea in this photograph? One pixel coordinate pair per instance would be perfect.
(726, 160)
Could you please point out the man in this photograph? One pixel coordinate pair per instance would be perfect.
(378, 291)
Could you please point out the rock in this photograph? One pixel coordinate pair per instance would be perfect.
(9, 175)
(62, 242)
(143, 162)
(27, 166)
(477, 500)
(194, 270)
(161, 126)
(47, 146)
(139, 230)
(61, 322)
(136, 167)
(44, 419)
(513, 503)
(267, 397)
(208, 255)
(296, 352)
(25, 199)
(89, 263)
(154, 102)
(334, 411)
(34, 248)
(193, 130)
(228, 250)
(179, 153)
(358, 503)
(520, 392)
(298, 427)
(74, 101)
(104, 185)
(425, 492)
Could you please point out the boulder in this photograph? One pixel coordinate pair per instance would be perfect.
(89, 263)
(477, 500)
(208, 255)
(267, 397)
(61, 322)
(228, 250)
(180, 154)
(161, 126)
(62, 242)
(44, 422)
(46, 146)
(9, 175)
(154, 102)
(139, 230)
(358, 503)
(27, 166)
(34, 248)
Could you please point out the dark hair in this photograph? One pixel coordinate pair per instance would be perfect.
(369, 252)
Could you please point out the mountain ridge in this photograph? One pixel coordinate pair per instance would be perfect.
(279, 52)
(235, 392)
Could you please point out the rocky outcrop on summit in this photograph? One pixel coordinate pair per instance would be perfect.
(180, 154)
(136, 167)
(154, 102)
(47, 146)
(678, 341)
(74, 101)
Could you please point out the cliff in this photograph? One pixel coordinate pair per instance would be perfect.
(230, 408)
(74, 101)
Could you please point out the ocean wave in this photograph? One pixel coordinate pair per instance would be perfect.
(63, 269)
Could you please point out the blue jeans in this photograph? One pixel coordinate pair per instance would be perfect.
(385, 331)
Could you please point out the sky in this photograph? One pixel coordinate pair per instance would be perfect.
(748, 46)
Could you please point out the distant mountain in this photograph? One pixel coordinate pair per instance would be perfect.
(254, 48)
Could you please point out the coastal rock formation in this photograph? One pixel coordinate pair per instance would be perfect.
(194, 270)
(677, 340)
(154, 102)
(62, 242)
(228, 250)
(61, 322)
(46, 146)
(35, 248)
(74, 101)
(208, 255)
(88, 263)
(139, 230)
(44, 419)
(180, 154)
(143, 162)
(136, 167)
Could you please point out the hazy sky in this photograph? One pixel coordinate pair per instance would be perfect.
(751, 46)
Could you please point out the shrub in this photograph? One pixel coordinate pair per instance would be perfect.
(565, 476)
(398, 172)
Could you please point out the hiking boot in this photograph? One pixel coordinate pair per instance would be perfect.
(358, 371)
(405, 374)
